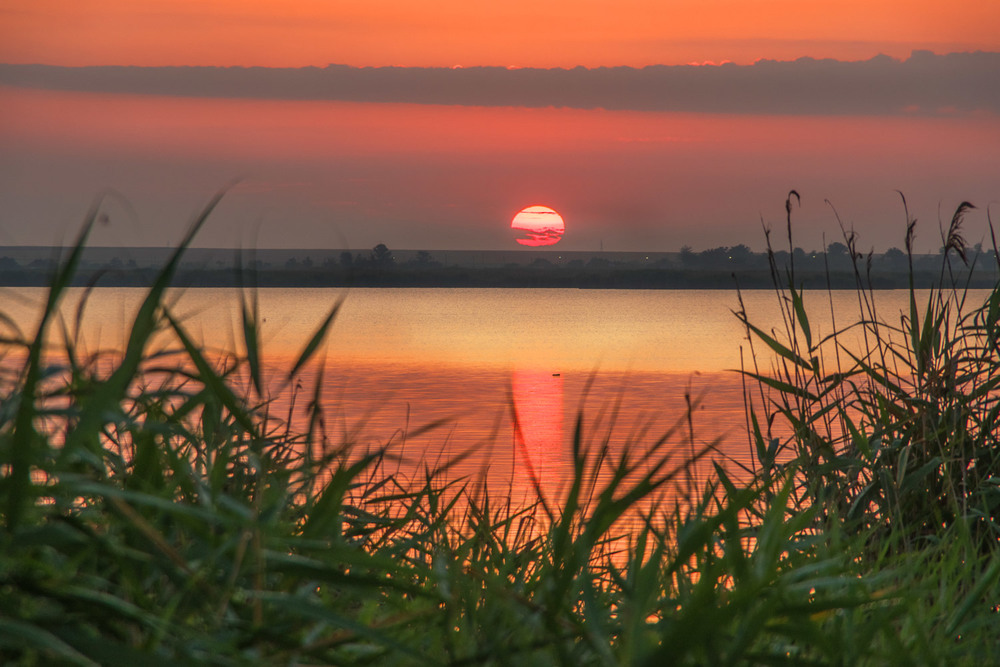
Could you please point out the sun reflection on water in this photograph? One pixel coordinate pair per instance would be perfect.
(539, 447)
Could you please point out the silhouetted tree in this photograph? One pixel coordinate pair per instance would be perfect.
(714, 257)
(895, 257)
(836, 250)
(382, 256)
(838, 256)
(688, 258)
(740, 254)
(800, 256)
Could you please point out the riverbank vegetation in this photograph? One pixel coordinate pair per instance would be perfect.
(156, 507)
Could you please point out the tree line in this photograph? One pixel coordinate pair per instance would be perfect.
(720, 267)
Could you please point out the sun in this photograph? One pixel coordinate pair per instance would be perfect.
(540, 225)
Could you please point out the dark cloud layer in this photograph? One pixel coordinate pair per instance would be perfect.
(925, 83)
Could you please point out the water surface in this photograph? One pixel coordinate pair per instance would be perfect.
(627, 363)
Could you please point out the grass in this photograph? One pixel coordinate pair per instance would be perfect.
(155, 510)
(897, 440)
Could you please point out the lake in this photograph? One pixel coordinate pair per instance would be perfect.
(467, 360)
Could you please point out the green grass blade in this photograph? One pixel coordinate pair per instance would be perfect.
(24, 437)
(316, 339)
(800, 315)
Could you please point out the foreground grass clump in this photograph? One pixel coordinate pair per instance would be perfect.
(897, 433)
(154, 511)
(893, 427)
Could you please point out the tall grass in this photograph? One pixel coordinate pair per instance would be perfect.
(155, 510)
(892, 424)
(897, 439)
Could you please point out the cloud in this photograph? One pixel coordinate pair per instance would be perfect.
(540, 237)
(924, 83)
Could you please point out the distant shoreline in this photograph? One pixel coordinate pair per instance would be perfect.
(717, 268)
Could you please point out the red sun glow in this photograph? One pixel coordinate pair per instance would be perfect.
(540, 226)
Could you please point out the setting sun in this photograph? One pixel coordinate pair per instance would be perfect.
(540, 225)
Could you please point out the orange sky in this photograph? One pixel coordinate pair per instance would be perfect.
(423, 176)
(339, 174)
(561, 33)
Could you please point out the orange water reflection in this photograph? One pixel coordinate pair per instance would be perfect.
(540, 454)
(474, 429)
